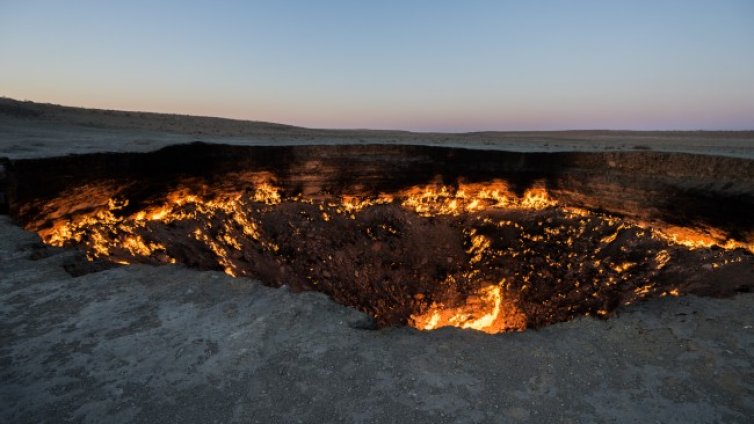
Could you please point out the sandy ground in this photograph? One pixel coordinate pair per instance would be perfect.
(30, 130)
(168, 344)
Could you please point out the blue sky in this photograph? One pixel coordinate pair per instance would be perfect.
(419, 65)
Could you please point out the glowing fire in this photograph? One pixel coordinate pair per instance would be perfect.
(446, 200)
(350, 204)
(489, 311)
(81, 226)
(426, 201)
(107, 231)
(700, 238)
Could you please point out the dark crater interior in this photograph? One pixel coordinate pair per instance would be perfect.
(420, 236)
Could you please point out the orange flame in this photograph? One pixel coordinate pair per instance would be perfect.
(446, 200)
(488, 311)
(106, 231)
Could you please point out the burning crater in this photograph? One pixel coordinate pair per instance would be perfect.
(419, 236)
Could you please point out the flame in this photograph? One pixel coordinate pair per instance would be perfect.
(430, 200)
(488, 311)
(79, 227)
(350, 204)
(154, 213)
(699, 238)
(267, 194)
(437, 199)
(662, 258)
(138, 247)
(479, 244)
(107, 231)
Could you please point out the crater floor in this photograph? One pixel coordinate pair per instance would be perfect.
(169, 344)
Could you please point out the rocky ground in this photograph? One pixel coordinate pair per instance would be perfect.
(169, 344)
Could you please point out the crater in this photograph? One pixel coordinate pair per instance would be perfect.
(412, 235)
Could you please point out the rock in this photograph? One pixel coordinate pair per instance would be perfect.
(362, 321)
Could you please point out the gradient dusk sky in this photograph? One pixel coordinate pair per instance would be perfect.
(418, 65)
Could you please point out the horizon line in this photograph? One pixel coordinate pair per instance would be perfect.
(248, 120)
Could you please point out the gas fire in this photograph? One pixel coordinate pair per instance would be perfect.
(488, 310)
(424, 256)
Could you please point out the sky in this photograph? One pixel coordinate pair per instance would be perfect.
(422, 65)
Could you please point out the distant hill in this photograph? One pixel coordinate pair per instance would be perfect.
(142, 120)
